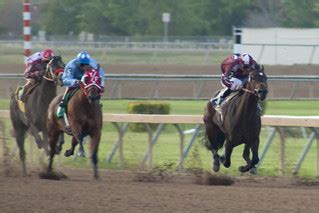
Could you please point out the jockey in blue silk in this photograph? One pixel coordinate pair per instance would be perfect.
(73, 72)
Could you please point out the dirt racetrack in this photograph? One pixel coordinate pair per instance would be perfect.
(122, 191)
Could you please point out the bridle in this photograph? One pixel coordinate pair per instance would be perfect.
(50, 70)
(255, 91)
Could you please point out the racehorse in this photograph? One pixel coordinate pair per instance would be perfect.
(238, 122)
(84, 116)
(32, 114)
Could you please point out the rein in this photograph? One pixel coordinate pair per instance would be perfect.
(49, 69)
(252, 91)
(83, 89)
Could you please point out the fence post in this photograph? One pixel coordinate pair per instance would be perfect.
(282, 150)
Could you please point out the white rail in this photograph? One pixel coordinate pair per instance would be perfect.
(275, 121)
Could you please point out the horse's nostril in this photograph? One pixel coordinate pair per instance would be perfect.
(262, 91)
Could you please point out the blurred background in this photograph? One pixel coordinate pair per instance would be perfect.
(172, 49)
(188, 37)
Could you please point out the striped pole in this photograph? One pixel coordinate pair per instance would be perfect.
(27, 27)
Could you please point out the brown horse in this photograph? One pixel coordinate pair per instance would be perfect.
(239, 122)
(32, 115)
(84, 115)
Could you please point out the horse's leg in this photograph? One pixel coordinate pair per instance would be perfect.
(45, 142)
(52, 140)
(35, 132)
(225, 159)
(218, 141)
(215, 137)
(81, 149)
(251, 165)
(58, 148)
(246, 154)
(255, 157)
(20, 136)
(94, 146)
(70, 152)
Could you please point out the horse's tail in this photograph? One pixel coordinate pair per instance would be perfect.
(208, 118)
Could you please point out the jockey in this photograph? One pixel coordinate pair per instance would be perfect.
(73, 72)
(235, 70)
(35, 65)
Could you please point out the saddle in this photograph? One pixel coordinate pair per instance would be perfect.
(23, 92)
(220, 109)
(68, 97)
(17, 94)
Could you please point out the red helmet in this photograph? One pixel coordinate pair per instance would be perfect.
(47, 54)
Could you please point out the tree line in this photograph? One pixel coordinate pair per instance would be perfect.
(144, 17)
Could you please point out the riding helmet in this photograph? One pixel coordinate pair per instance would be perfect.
(84, 58)
(47, 54)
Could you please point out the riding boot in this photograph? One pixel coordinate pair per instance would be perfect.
(220, 97)
(61, 109)
(24, 93)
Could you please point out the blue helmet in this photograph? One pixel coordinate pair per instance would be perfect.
(84, 58)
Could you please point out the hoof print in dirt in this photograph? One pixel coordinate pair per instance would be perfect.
(52, 175)
(209, 179)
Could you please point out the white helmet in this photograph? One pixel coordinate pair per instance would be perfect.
(247, 58)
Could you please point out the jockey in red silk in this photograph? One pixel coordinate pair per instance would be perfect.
(36, 64)
(235, 70)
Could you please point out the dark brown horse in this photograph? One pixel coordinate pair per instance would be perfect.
(238, 122)
(84, 115)
(32, 115)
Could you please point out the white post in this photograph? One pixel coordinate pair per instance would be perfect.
(166, 18)
(237, 40)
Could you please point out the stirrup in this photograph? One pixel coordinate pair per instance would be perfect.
(259, 107)
(60, 112)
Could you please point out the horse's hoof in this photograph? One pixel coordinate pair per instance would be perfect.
(222, 159)
(253, 171)
(242, 169)
(216, 168)
(68, 153)
(81, 154)
(227, 164)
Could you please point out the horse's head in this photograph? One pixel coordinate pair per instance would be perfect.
(257, 83)
(92, 85)
(54, 69)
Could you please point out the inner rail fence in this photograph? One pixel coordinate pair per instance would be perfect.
(197, 87)
(276, 125)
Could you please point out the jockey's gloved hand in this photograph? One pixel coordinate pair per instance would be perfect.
(237, 84)
(77, 83)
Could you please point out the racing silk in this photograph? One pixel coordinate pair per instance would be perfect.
(35, 66)
(232, 67)
(72, 72)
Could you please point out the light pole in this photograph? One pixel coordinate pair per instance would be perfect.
(166, 17)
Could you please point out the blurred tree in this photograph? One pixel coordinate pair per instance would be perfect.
(61, 16)
(188, 17)
(301, 13)
(265, 14)
(11, 17)
(223, 14)
(138, 17)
